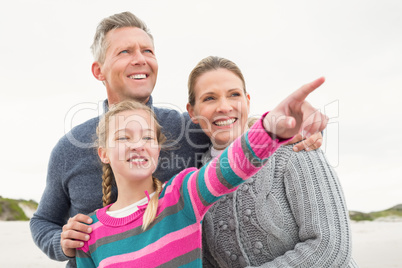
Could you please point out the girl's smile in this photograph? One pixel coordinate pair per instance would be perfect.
(132, 146)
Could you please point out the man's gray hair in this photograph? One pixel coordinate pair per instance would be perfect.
(116, 21)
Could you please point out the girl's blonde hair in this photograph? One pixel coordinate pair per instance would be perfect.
(107, 176)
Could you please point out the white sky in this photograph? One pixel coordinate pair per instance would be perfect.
(47, 85)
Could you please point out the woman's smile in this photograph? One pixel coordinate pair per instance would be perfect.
(221, 106)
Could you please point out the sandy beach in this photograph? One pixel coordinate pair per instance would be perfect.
(18, 249)
(375, 244)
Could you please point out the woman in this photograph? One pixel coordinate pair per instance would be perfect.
(292, 213)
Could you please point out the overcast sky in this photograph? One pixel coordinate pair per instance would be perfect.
(47, 86)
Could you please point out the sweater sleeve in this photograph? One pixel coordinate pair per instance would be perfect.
(318, 205)
(238, 162)
(47, 222)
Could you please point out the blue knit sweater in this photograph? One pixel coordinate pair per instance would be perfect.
(74, 183)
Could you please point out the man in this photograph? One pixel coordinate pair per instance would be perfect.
(125, 62)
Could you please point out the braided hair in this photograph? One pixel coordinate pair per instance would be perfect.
(108, 177)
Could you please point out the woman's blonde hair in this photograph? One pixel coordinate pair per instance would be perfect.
(107, 176)
(209, 64)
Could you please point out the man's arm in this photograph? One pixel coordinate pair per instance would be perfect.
(53, 210)
(51, 232)
(311, 143)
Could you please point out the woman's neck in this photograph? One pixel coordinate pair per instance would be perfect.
(215, 152)
(218, 147)
(222, 146)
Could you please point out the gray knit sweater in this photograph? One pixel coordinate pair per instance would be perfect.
(290, 214)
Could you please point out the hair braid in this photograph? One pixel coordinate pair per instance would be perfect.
(107, 179)
(150, 211)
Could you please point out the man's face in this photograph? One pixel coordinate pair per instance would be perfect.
(130, 68)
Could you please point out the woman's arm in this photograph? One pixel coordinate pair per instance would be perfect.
(318, 205)
(208, 260)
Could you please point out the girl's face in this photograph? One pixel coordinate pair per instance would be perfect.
(221, 106)
(132, 147)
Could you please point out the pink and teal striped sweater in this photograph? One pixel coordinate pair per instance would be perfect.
(174, 238)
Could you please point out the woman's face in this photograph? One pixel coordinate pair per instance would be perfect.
(221, 106)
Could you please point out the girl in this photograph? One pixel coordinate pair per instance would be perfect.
(152, 224)
(292, 213)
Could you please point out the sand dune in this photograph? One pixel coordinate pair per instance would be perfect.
(375, 244)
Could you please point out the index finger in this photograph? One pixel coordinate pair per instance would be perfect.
(82, 218)
(302, 93)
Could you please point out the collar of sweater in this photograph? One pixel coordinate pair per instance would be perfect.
(107, 220)
(106, 104)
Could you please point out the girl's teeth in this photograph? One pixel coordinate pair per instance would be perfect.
(225, 122)
(138, 160)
